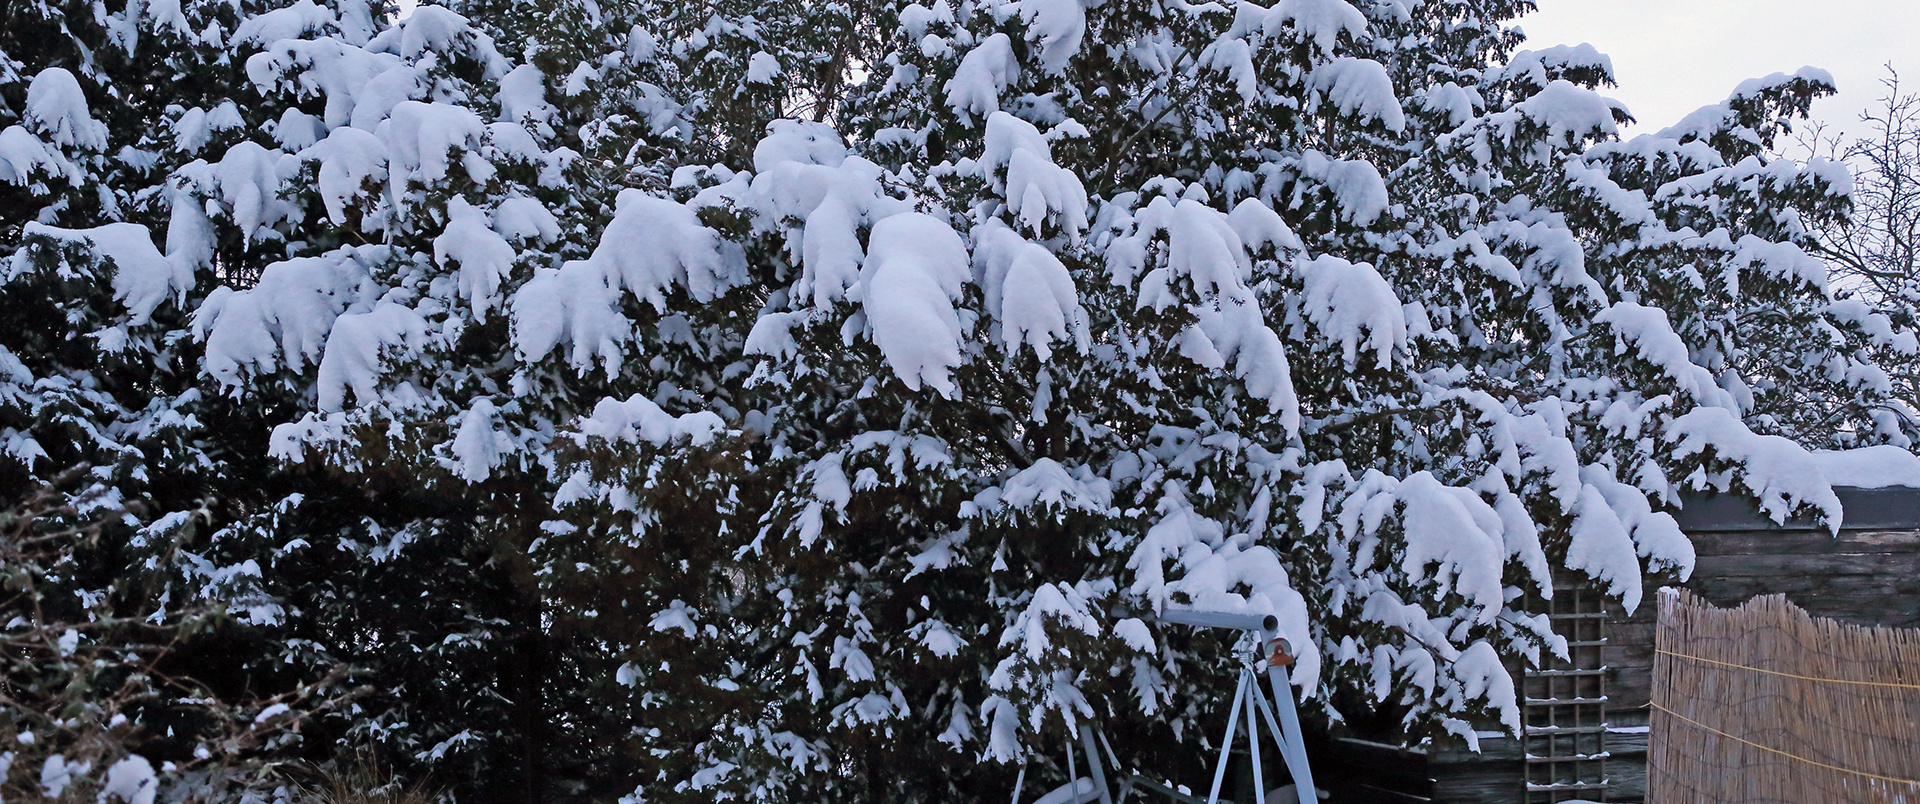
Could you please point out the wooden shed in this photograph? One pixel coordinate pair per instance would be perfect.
(1587, 719)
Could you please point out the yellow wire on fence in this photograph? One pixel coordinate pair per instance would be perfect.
(1788, 675)
(1814, 762)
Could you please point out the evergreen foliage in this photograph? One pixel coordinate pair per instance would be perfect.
(655, 401)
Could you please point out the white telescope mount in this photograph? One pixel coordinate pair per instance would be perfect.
(1258, 648)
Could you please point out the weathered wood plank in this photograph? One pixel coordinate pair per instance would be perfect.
(1631, 687)
(1817, 586)
(1707, 568)
(1806, 542)
(1492, 749)
(1480, 783)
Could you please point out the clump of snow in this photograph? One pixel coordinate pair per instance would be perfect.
(1546, 65)
(22, 154)
(1869, 467)
(653, 244)
(1352, 305)
(1050, 485)
(521, 219)
(1028, 291)
(288, 22)
(1645, 330)
(1656, 536)
(357, 349)
(573, 305)
(523, 96)
(1571, 113)
(131, 780)
(483, 255)
(57, 108)
(639, 418)
(984, 73)
(1355, 183)
(1318, 21)
(436, 29)
(1359, 88)
(763, 68)
(1259, 226)
(1204, 246)
(1035, 188)
(1057, 26)
(802, 141)
(916, 267)
(283, 320)
(478, 447)
(349, 159)
(422, 136)
(1782, 474)
(143, 278)
(1704, 122)
(196, 126)
(1602, 548)
(248, 179)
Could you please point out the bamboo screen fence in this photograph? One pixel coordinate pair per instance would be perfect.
(1764, 703)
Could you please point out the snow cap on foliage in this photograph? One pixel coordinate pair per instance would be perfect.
(1570, 113)
(22, 155)
(478, 447)
(483, 255)
(916, 267)
(1057, 26)
(1359, 88)
(984, 73)
(284, 319)
(803, 141)
(1036, 189)
(358, 349)
(287, 22)
(1706, 121)
(349, 158)
(143, 278)
(1352, 305)
(1028, 291)
(1782, 475)
(653, 244)
(1355, 183)
(58, 110)
(575, 306)
(1318, 21)
(639, 418)
(1646, 331)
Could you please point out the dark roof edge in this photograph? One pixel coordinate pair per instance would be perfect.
(1892, 508)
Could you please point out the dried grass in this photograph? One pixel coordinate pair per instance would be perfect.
(361, 779)
(1764, 703)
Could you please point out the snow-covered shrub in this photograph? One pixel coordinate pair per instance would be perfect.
(748, 400)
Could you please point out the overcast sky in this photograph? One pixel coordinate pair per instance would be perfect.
(1673, 56)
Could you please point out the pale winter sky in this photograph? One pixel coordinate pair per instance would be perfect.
(1674, 56)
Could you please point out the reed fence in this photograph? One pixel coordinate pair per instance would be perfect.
(1764, 703)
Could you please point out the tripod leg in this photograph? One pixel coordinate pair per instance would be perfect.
(1253, 736)
(1226, 742)
(1296, 751)
(1093, 763)
(1073, 775)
